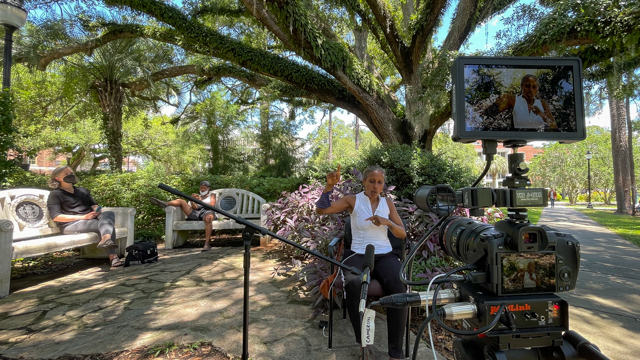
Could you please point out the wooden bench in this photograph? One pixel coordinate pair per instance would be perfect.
(26, 230)
(237, 202)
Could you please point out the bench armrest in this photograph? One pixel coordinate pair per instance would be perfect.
(124, 216)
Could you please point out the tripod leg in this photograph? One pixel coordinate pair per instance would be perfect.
(247, 235)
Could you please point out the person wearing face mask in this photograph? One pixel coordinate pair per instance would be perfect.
(195, 212)
(371, 216)
(74, 211)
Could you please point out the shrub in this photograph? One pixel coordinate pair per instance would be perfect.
(407, 167)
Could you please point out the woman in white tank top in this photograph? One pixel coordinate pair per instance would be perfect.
(371, 216)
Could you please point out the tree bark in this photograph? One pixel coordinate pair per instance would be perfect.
(632, 170)
(96, 161)
(77, 158)
(111, 96)
(265, 136)
(619, 146)
(357, 130)
(330, 125)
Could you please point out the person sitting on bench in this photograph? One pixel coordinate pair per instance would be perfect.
(195, 212)
(74, 211)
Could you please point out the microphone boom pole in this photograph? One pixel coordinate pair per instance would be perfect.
(247, 234)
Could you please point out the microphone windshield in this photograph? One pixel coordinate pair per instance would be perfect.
(369, 257)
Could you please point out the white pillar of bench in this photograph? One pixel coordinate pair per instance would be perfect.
(6, 251)
(174, 238)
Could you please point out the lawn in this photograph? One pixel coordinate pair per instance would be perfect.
(626, 226)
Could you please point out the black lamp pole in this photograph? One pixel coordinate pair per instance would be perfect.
(6, 59)
(12, 17)
(588, 156)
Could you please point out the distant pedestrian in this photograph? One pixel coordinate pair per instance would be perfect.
(552, 197)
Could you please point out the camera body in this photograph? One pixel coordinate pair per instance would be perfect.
(515, 258)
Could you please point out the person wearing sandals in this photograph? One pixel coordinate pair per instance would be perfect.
(74, 211)
(371, 216)
(195, 212)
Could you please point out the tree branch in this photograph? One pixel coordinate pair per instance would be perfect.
(374, 28)
(392, 36)
(123, 32)
(428, 18)
(203, 40)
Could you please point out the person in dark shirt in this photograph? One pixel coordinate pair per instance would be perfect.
(74, 211)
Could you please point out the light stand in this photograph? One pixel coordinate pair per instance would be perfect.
(247, 234)
(12, 17)
(589, 155)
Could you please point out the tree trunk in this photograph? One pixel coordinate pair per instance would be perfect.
(632, 170)
(330, 125)
(217, 160)
(265, 136)
(357, 129)
(96, 161)
(111, 96)
(77, 158)
(619, 147)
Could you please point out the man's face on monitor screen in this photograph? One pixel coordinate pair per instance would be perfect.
(529, 88)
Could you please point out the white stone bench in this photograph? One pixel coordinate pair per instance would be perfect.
(26, 230)
(237, 202)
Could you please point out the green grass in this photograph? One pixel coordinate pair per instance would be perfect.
(584, 206)
(626, 226)
(534, 214)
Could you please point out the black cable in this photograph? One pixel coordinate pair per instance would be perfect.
(485, 171)
(423, 326)
(413, 252)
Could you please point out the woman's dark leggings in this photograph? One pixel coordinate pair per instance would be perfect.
(386, 270)
(104, 224)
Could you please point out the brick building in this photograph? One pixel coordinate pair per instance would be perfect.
(45, 162)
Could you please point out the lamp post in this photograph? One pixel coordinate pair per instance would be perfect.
(12, 17)
(589, 155)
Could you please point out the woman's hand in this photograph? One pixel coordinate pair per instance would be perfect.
(333, 178)
(378, 220)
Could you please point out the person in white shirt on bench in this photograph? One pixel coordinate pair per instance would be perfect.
(195, 212)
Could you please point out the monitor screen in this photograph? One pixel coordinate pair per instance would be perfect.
(517, 99)
(528, 273)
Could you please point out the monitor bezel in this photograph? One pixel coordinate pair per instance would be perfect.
(460, 134)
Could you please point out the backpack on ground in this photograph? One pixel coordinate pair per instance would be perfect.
(143, 252)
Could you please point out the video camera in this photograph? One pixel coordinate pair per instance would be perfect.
(516, 268)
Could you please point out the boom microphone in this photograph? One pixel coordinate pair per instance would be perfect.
(367, 268)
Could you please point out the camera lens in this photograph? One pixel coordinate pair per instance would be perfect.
(439, 199)
(460, 236)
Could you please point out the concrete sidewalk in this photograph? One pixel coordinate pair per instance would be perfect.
(605, 306)
(187, 296)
